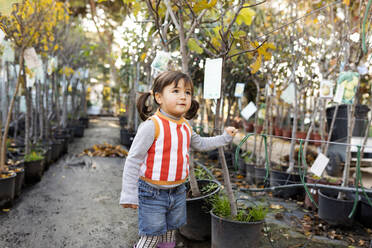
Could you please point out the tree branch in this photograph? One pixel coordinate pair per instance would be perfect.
(247, 51)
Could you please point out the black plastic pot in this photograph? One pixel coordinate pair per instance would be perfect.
(229, 233)
(57, 147)
(78, 130)
(340, 126)
(126, 137)
(364, 214)
(278, 178)
(7, 190)
(250, 173)
(84, 121)
(198, 225)
(335, 211)
(123, 120)
(19, 180)
(34, 171)
(259, 175)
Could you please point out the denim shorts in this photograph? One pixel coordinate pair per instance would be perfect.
(160, 210)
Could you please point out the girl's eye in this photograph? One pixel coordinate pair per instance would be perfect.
(175, 91)
(188, 93)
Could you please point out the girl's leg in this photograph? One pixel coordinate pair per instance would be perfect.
(167, 240)
(148, 242)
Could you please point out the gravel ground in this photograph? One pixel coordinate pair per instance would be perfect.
(74, 205)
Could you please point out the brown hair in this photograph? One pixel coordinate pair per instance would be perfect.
(161, 81)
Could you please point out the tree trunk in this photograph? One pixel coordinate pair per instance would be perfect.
(3, 138)
(256, 119)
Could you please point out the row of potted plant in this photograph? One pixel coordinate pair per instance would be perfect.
(26, 169)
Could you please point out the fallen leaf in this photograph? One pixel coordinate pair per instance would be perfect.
(276, 206)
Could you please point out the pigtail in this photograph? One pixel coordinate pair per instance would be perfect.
(193, 110)
(144, 110)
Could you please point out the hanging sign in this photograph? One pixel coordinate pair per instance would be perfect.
(8, 54)
(239, 90)
(86, 73)
(31, 59)
(349, 80)
(22, 104)
(212, 78)
(319, 165)
(288, 95)
(52, 65)
(326, 89)
(249, 110)
(2, 36)
(362, 70)
(160, 63)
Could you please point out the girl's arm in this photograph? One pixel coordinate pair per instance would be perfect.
(210, 143)
(137, 154)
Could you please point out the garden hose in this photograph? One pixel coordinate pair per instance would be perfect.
(266, 154)
(364, 27)
(302, 175)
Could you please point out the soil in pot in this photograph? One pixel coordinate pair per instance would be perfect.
(198, 225)
(278, 178)
(34, 171)
(228, 233)
(335, 211)
(7, 189)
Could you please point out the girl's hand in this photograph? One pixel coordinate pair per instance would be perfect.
(232, 131)
(134, 206)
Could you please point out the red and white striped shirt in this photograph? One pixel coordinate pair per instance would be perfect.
(167, 160)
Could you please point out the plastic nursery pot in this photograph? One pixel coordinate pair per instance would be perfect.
(7, 190)
(228, 233)
(84, 121)
(340, 126)
(364, 213)
(314, 192)
(278, 178)
(19, 180)
(259, 129)
(250, 173)
(278, 131)
(123, 120)
(287, 133)
(300, 135)
(198, 225)
(78, 130)
(259, 176)
(34, 171)
(126, 137)
(249, 127)
(333, 210)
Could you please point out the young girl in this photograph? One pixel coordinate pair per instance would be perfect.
(158, 162)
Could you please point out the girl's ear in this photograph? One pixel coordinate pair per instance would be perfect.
(158, 98)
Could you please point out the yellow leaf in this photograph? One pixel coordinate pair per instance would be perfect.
(143, 56)
(6, 6)
(256, 65)
(246, 15)
(215, 42)
(347, 2)
(193, 46)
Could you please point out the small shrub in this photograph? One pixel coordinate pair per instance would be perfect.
(221, 208)
(33, 156)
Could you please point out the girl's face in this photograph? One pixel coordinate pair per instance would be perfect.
(175, 101)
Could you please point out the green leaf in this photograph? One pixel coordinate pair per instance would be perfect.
(238, 34)
(194, 46)
(245, 15)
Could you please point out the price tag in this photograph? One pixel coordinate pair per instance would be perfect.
(212, 78)
(339, 94)
(249, 110)
(319, 165)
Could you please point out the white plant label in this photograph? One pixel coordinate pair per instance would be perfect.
(31, 58)
(8, 54)
(339, 94)
(52, 65)
(212, 78)
(288, 95)
(2, 36)
(249, 110)
(326, 89)
(319, 165)
(161, 60)
(239, 90)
